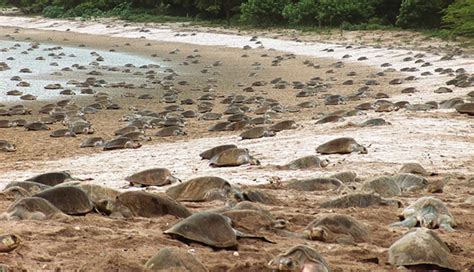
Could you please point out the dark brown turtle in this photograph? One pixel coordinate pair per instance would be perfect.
(465, 108)
(284, 125)
(343, 145)
(121, 143)
(359, 200)
(30, 186)
(315, 184)
(337, 228)
(414, 168)
(152, 177)
(174, 259)
(233, 157)
(36, 126)
(144, 204)
(421, 249)
(52, 178)
(208, 228)
(36, 208)
(93, 142)
(170, 131)
(299, 258)
(199, 189)
(69, 199)
(208, 154)
(256, 195)
(306, 162)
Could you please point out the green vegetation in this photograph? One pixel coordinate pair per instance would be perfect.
(450, 17)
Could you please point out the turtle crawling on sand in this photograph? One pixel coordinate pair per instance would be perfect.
(32, 208)
(421, 249)
(152, 177)
(306, 162)
(208, 154)
(299, 258)
(121, 143)
(69, 199)
(428, 212)
(257, 132)
(93, 142)
(174, 259)
(233, 157)
(6, 146)
(52, 178)
(200, 189)
(337, 228)
(343, 145)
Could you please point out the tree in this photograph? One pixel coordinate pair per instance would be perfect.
(421, 13)
(263, 12)
(460, 18)
(216, 7)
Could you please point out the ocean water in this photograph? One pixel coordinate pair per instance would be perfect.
(19, 55)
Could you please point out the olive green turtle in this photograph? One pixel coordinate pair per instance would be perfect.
(170, 131)
(125, 130)
(307, 162)
(421, 249)
(36, 208)
(257, 132)
(233, 157)
(250, 220)
(52, 178)
(375, 122)
(62, 133)
(413, 168)
(14, 192)
(145, 204)
(344, 145)
(121, 143)
(6, 146)
(208, 154)
(36, 126)
(93, 142)
(97, 193)
(69, 199)
(385, 186)
(299, 258)
(337, 228)
(174, 259)
(360, 200)
(428, 212)
(465, 108)
(137, 136)
(30, 186)
(315, 184)
(256, 195)
(346, 176)
(411, 182)
(199, 189)
(152, 177)
(283, 125)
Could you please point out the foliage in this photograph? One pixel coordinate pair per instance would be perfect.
(263, 12)
(459, 18)
(303, 12)
(336, 12)
(421, 13)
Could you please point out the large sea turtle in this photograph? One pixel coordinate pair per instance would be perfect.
(152, 177)
(174, 259)
(208, 154)
(36, 208)
(69, 199)
(306, 162)
(121, 143)
(200, 189)
(315, 184)
(299, 258)
(337, 228)
(30, 186)
(360, 200)
(428, 212)
(257, 132)
(93, 142)
(343, 145)
(421, 249)
(385, 186)
(52, 178)
(6, 146)
(233, 157)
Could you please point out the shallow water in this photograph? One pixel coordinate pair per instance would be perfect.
(24, 56)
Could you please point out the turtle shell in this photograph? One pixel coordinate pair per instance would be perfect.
(32, 208)
(340, 226)
(92, 142)
(30, 186)
(421, 247)
(359, 200)
(231, 157)
(208, 228)
(315, 184)
(283, 125)
(51, 178)
(69, 199)
(344, 145)
(254, 133)
(208, 154)
(146, 204)
(384, 186)
(197, 189)
(299, 258)
(174, 259)
(306, 162)
(152, 177)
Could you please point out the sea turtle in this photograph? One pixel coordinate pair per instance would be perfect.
(465, 108)
(299, 258)
(257, 132)
(137, 136)
(385, 186)
(346, 176)
(93, 142)
(125, 130)
(8, 242)
(209, 228)
(315, 184)
(62, 133)
(421, 249)
(410, 182)
(170, 131)
(97, 193)
(7, 124)
(152, 177)
(121, 143)
(30, 186)
(6, 146)
(36, 126)
(174, 259)
(208, 154)
(36, 208)
(413, 168)
(250, 220)
(14, 192)
(360, 200)
(283, 125)
(256, 195)
(199, 189)
(52, 178)
(428, 212)
(306, 162)
(375, 122)
(69, 199)
(337, 228)
(233, 157)
(145, 204)
(343, 145)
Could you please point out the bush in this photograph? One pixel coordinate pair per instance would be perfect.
(336, 12)
(263, 12)
(421, 13)
(303, 12)
(459, 18)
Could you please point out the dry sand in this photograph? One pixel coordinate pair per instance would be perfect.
(441, 140)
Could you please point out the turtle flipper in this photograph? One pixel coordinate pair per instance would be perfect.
(407, 223)
(446, 226)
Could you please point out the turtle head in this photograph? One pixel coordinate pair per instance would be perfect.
(428, 217)
(254, 161)
(317, 233)
(284, 263)
(362, 149)
(324, 163)
(10, 148)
